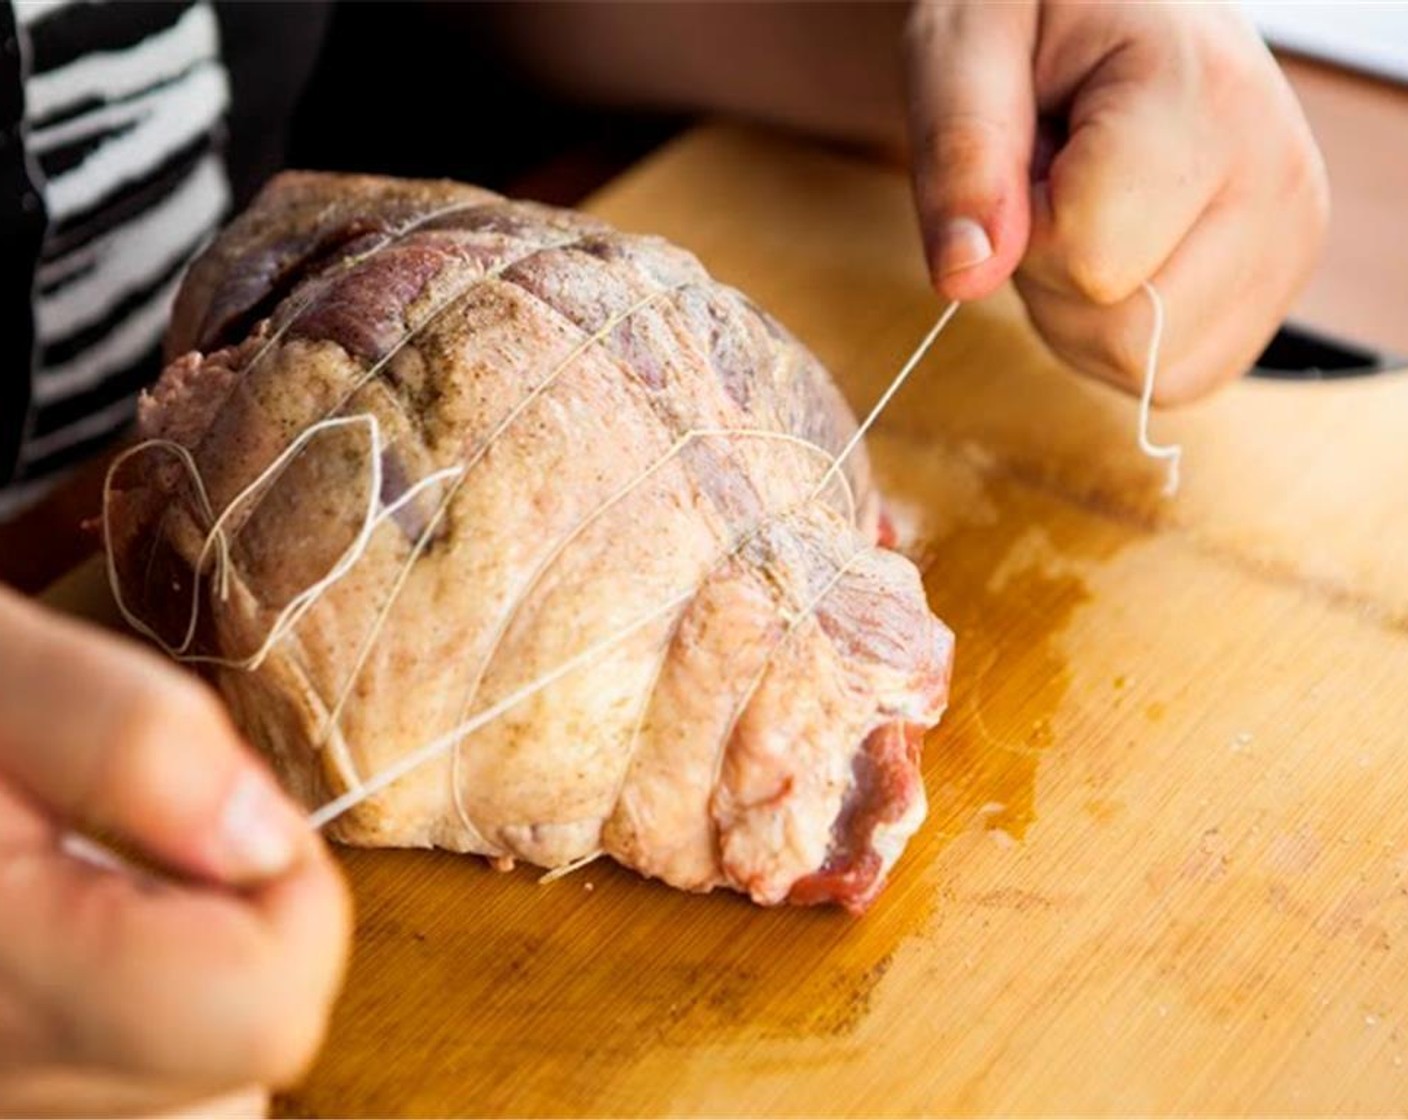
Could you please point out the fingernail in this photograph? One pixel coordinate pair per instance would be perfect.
(962, 244)
(262, 835)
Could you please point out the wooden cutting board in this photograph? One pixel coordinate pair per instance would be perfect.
(1166, 865)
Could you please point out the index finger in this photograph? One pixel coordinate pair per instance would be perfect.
(180, 983)
(103, 734)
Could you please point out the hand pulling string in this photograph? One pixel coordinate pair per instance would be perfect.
(1171, 453)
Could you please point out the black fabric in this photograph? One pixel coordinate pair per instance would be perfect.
(21, 233)
(267, 52)
(425, 91)
(125, 204)
(402, 89)
(76, 453)
(271, 51)
(80, 340)
(70, 32)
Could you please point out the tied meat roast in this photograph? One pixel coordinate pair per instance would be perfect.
(565, 427)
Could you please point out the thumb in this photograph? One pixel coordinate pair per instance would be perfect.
(104, 735)
(972, 129)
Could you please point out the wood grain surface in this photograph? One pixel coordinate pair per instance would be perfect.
(1166, 864)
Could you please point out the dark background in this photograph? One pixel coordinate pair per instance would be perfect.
(420, 90)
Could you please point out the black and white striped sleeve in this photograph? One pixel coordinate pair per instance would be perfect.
(124, 105)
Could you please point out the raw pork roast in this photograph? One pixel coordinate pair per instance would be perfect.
(612, 429)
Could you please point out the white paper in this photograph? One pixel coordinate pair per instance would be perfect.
(1372, 37)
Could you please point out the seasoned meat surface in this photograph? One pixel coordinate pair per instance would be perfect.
(443, 443)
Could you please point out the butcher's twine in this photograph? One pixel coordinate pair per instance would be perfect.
(1172, 453)
(437, 747)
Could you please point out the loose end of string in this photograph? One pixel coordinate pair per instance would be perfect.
(1172, 453)
(569, 868)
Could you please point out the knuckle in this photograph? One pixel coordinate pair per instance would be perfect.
(1222, 68)
(1049, 316)
(1227, 58)
(1085, 254)
(1094, 270)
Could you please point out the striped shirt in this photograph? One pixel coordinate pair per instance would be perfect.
(114, 170)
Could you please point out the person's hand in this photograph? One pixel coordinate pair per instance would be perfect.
(1179, 157)
(123, 991)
